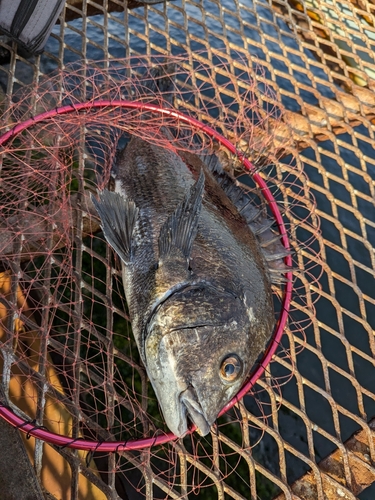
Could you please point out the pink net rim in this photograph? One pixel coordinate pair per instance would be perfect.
(112, 446)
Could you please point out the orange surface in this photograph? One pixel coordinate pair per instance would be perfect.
(56, 472)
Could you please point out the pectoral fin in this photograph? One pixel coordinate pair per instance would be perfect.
(118, 216)
(180, 229)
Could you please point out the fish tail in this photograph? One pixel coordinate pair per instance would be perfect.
(161, 80)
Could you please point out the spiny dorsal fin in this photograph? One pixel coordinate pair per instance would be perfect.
(180, 229)
(262, 225)
(118, 216)
(272, 248)
(212, 161)
(242, 200)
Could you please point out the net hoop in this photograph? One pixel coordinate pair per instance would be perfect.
(29, 428)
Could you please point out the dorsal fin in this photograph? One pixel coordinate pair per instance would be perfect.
(242, 200)
(259, 223)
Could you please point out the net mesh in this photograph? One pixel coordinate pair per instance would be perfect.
(317, 60)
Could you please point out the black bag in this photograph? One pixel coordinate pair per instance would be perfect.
(29, 22)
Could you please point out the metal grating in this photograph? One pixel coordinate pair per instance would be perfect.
(318, 59)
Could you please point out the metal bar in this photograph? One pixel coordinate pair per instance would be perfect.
(79, 8)
(358, 451)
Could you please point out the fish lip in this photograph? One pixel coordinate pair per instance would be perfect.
(188, 398)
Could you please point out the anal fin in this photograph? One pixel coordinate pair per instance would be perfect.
(118, 216)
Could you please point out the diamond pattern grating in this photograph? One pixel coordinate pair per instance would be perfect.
(318, 59)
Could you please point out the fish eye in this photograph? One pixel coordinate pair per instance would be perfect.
(231, 368)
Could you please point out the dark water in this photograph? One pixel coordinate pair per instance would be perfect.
(351, 330)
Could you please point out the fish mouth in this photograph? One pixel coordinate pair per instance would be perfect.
(188, 398)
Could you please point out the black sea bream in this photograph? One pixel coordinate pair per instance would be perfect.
(198, 260)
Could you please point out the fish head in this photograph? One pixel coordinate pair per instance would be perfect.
(200, 346)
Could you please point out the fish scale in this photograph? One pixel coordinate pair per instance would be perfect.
(197, 273)
(192, 307)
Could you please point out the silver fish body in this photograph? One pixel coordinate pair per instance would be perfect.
(196, 278)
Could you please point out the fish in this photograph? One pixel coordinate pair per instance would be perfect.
(198, 262)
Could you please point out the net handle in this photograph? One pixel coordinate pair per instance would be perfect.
(112, 446)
